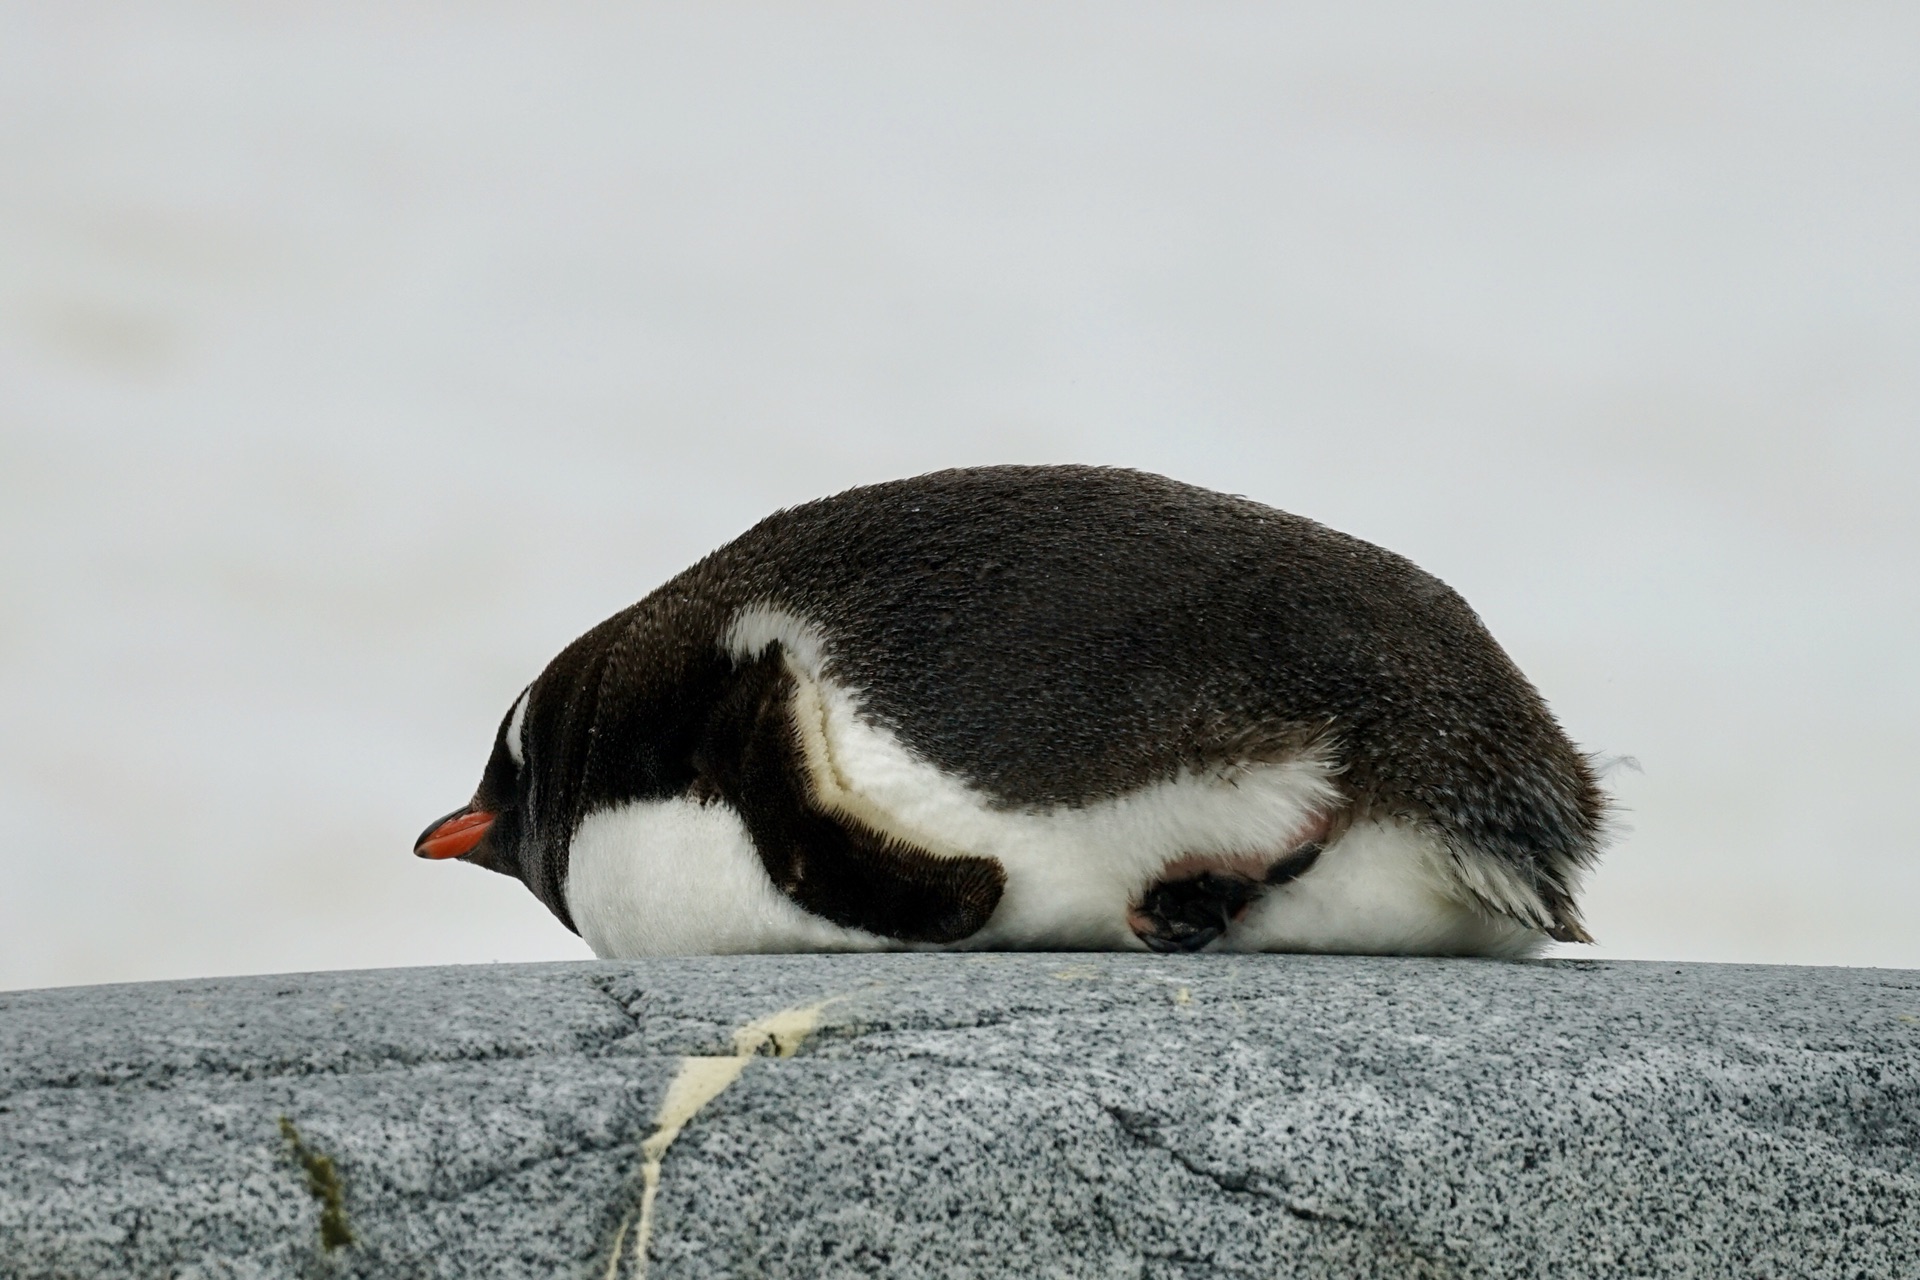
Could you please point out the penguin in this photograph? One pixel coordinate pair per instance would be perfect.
(1057, 707)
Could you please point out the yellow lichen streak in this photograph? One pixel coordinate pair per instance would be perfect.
(700, 1080)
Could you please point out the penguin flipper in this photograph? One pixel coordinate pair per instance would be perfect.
(830, 863)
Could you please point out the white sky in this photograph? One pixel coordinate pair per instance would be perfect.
(353, 358)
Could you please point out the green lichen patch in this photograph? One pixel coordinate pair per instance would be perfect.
(325, 1186)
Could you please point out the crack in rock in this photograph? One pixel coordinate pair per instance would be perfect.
(1142, 1130)
(1385, 1240)
(167, 1075)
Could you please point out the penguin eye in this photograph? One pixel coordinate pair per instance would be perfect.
(515, 734)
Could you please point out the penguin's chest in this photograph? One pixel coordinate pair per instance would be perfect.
(682, 877)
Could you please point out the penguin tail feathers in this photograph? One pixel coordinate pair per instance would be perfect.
(1536, 895)
(1567, 925)
(1520, 848)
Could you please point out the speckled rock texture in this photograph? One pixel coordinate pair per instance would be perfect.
(992, 1115)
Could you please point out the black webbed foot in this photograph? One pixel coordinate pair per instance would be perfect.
(1186, 915)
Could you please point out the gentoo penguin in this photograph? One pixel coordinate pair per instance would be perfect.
(1039, 707)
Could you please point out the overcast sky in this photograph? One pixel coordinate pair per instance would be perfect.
(353, 358)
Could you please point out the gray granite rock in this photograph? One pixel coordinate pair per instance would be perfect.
(1030, 1115)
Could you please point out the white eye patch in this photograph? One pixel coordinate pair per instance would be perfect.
(516, 726)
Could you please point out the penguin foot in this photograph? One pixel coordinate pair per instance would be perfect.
(1192, 907)
(1187, 914)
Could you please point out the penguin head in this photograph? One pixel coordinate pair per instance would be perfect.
(488, 830)
(574, 742)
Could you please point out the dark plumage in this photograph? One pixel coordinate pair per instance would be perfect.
(1056, 636)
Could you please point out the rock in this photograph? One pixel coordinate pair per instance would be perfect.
(970, 1115)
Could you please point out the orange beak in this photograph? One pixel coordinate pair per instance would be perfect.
(455, 835)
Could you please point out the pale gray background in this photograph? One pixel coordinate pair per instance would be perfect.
(355, 357)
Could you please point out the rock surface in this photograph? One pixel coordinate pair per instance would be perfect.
(1033, 1115)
